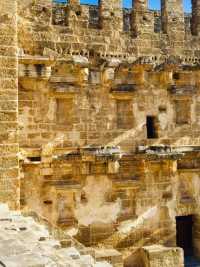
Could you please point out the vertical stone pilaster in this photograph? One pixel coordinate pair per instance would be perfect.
(74, 2)
(142, 20)
(173, 18)
(140, 4)
(9, 149)
(195, 23)
(111, 15)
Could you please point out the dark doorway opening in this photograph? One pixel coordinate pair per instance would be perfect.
(151, 127)
(184, 229)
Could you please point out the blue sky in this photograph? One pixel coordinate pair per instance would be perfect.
(152, 3)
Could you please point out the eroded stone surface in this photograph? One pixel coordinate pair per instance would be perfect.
(25, 243)
(99, 108)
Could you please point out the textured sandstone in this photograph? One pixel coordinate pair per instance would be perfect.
(99, 123)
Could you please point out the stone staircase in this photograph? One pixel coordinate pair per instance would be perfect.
(26, 243)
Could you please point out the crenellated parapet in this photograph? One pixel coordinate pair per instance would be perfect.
(107, 30)
(110, 16)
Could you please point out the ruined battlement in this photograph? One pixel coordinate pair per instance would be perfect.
(110, 29)
(107, 29)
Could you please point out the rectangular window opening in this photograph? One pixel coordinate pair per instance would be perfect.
(184, 234)
(151, 127)
(34, 159)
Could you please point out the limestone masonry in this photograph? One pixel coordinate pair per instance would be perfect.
(100, 132)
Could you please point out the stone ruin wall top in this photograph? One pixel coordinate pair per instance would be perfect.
(108, 30)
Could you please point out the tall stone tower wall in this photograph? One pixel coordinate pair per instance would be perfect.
(172, 17)
(9, 171)
(195, 17)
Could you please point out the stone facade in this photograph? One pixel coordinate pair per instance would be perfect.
(26, 243)
(9, 147)
(100, 111)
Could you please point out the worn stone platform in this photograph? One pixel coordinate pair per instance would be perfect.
(25, 243)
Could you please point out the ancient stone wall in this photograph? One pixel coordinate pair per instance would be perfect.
(84, 105)
(195, 17)
(154, 256)
(152, 188)
(101, 29)
(81, 61)
(109, 103)
(9, 148)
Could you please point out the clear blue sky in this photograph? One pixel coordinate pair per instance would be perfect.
(152, 3)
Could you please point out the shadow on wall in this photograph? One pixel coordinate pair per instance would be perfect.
(134, 260)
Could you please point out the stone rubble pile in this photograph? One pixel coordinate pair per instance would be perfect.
(25, 243)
